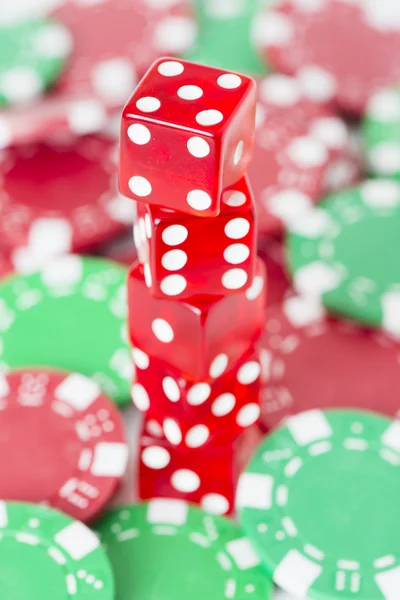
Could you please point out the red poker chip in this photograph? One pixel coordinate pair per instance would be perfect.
(312, 361)
(60, 197)
(63, 441)
(297, 160)
(343, 50)
(271, 250)
(114, 42)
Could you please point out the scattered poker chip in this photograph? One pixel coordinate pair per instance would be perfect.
(345, 360)
(381, 133)
(344, 252)
(167, 548)
(59, 198)
(301, 37)
(70, 315)
(32, 56)
(72, 433)
(296, 160)
(271, 250)
(225, 36)
(319, 502)
(46, 554)
(126, 37)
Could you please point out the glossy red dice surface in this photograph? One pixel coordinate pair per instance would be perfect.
(202, 338)
(184, 256)
(187, 134)
(194, 415)
(207, 477)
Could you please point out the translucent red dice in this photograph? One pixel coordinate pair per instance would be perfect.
(165, 471)
(184, 256)
(198, 414)
(187, 133)
(202, 338)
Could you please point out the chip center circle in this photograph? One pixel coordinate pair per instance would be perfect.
(28, 181)
(166, 554)
(34, 433)
(334, 500)
(371, 236)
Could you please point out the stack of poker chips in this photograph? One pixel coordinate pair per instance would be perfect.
(196, 294)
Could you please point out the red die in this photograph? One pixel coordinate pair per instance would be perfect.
(185, 256)
(197, 414)
(187, 134)
(201, 338)
(207, 477)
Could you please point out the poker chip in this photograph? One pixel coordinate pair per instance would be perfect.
(58, 198)
(344, 252)
(126, 37)
(225, 36)
(32, 55)
(381, 133)
(169, 549)
(70, 315)
(296, 160)
(73, 435)
(345, 361)
(301, 37)
(46, 554)
(319, 502)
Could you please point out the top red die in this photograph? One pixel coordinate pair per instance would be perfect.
(187, 133)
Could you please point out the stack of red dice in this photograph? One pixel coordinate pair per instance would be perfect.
(197, 293)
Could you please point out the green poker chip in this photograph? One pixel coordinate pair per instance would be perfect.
(45, 554)
(319, 501)
(225, 35)
(346, 252)
(70, 315)
(32, 55)
(381, 133)
(168, 550)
